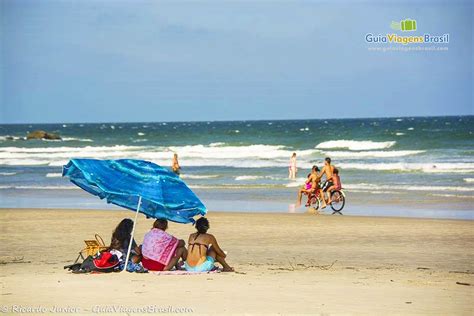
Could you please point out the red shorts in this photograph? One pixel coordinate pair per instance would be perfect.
(152, 265)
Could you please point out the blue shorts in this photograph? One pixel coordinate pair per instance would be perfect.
(207, 265)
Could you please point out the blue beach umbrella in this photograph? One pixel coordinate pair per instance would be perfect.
(137, 185)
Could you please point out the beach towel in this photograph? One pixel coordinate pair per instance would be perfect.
(182, 272)
(159, 246)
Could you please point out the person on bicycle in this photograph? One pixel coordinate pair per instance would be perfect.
(311, 184)
(328, 171)
(336, 184)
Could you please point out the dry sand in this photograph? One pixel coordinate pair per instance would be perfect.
(286, 263)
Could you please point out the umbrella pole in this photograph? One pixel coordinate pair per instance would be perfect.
(132, 233)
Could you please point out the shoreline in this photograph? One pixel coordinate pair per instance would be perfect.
(469, 215)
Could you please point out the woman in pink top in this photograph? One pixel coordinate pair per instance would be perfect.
(160, 250)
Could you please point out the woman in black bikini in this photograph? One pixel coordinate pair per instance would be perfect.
(203, 250)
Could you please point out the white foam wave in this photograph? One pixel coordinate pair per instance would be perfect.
(296, 183)
(410, 167)
(246, 178)
(253, 156)
(217, 144)
(251, 178)
(400, 134)
(355, 144)
(431, 188)
(70, 139)
(234, 152)
(7, 173)
(374, 154)
(468, 180)
(8, 137)
(38, 187)
(232, 186)
(70, 149)
(376, 192)
(199, 176)
(454, 196)
(53, 175)
(23, 162)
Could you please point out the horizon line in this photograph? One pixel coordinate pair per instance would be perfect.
(248, 120)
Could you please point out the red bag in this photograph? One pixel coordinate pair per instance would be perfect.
(106, 261)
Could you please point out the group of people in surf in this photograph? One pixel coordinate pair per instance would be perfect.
(312, 184)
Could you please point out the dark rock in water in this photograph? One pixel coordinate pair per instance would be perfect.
(43, 135)
(9, 138)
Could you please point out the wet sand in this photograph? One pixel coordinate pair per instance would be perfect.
(286, 263)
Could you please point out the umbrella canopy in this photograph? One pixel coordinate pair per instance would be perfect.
(137, 185)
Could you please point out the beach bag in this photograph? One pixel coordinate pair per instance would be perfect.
(104, 262)
(94, 246)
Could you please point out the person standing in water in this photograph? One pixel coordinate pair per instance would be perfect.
(175, 165)
(292, 168)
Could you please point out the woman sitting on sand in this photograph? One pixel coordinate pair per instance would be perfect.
(162, 251)
(203, 250)
(121, 239)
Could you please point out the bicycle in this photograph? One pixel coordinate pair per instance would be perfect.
(338, 201)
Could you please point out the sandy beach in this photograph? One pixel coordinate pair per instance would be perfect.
(285, 263)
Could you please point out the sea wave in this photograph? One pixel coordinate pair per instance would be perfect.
(38, 187)
(433, 167)
(217, 144)
(252, 177)
(7, 173)
(378, 187)
(468, 180)
(234, 186)
(24, 162)
(454, 196)
(9, 137)
(199, 176)
(53, 175)
(246, 178)
(74, 139)
(373, 154)
(85, 149)
(253, 156)
(295, 183)
(227, 152)
(355, 144)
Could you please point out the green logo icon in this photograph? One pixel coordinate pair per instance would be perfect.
(406, 25)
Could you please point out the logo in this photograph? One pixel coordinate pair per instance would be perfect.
(406, 25)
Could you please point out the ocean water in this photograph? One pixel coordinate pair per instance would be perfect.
(412, 164)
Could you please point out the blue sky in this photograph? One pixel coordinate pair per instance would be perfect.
(110, 61)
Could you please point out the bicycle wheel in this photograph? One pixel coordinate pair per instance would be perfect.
(338, 201)
(316, 203)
